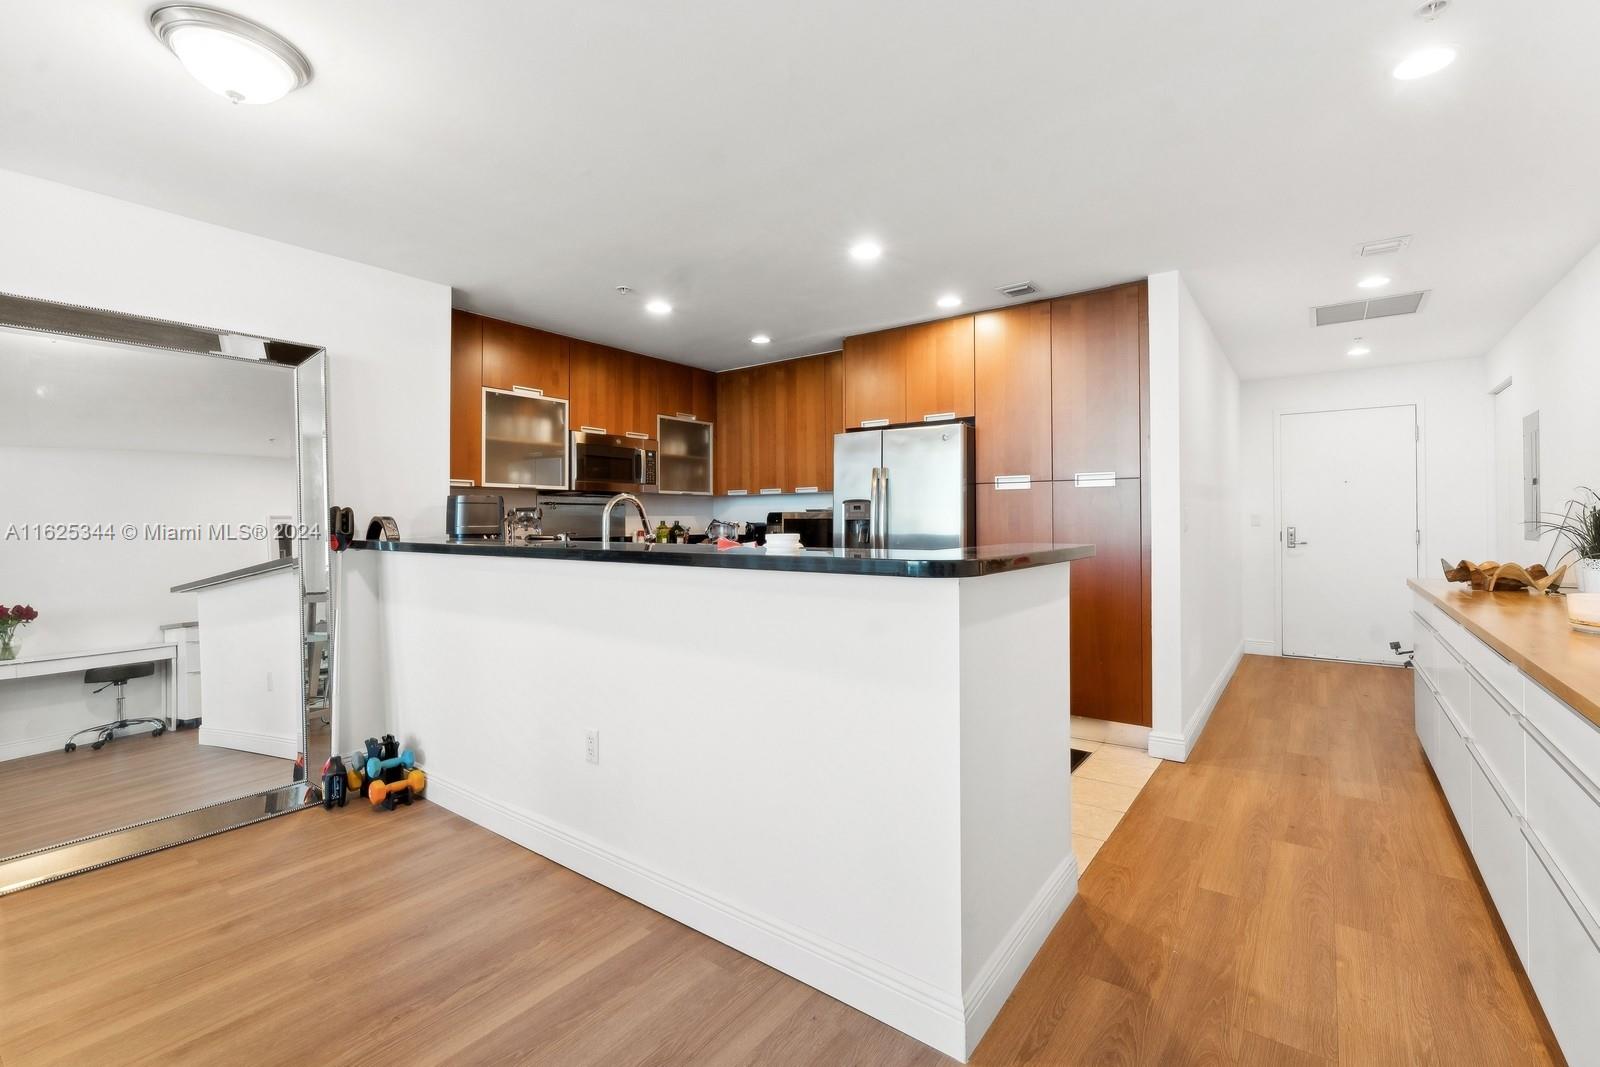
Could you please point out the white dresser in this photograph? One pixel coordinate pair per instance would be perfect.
(1520, 768)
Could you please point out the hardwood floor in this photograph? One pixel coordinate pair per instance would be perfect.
(58, 796)
(1295, 894)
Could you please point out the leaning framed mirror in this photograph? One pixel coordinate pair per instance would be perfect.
(166, 603)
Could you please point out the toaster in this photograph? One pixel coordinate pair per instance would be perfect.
(471, 516)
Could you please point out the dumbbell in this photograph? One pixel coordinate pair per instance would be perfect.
(376, 766)
(413, 781)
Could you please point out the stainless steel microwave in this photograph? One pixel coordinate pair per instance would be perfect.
(603, 463)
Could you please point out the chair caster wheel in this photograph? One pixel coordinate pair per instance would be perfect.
(71, 747)
(158, 731)
(98, 745)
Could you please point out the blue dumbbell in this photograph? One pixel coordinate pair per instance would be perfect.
(376, 766)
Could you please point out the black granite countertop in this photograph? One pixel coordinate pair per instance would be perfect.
(898, 563)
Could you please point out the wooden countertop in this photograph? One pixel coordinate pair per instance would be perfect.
(1531, 631)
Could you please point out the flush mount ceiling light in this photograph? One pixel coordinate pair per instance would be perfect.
(761, 339)
(1359, 349)
(949, 300)
(658, 307)
(865, 251)
(232, 56)
(1423, 62)
(1373, 281)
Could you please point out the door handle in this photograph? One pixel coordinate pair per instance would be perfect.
(1293, 542)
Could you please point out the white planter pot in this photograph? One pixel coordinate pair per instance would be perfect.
(1588, 575)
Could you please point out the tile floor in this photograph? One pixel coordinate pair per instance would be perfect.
(1103, 788)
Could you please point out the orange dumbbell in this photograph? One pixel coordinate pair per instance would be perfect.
(386, 793)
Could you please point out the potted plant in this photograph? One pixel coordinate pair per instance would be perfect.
(1579, 526)
(13, 619)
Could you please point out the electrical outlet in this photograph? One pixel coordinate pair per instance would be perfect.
(591, 746)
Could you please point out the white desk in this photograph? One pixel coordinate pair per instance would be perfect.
(71, 662)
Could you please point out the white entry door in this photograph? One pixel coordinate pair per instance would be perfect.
(1349, 534)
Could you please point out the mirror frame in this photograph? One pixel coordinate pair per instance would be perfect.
(314, 559)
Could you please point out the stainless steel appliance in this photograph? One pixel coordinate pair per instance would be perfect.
(815, 527)
(606, 463)
(578, 517)
(915, 483)
(524, 440)
(468, 516)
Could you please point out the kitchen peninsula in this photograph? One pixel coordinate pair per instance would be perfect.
(851, 765)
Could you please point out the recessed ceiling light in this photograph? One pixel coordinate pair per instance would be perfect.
(1423, 62)
(239, 59)
(761, 339)
(658, 307)
(1373, 281)
(865, 251)
(949, 300)
(1358, 349)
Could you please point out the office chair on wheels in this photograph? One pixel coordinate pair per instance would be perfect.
(105, 678)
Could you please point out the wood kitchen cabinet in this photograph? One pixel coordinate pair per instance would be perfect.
(1110, 600)
(1097, 350)
(515, 355)
(807, 459)
(1011, 390)
(466, 397)
(775, 426)
(875, 378)
(642, 396)
(1015, 516)
(833, 384)
(685, 391)
(734, 448)
(939, 368)
(602, 382)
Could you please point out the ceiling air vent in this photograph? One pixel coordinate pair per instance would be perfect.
(1388, 246)
(1018, 289)
(1381, 307)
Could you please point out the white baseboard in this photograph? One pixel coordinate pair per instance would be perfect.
(1255, 646)
(1004, 969)
(907, 1003)
(1178, 746)
(246, 741)
(1111, 733)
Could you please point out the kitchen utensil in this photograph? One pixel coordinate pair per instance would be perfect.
(718, 528)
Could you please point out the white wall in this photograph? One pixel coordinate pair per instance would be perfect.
(250, 676)
(1196, 601)
(1552, 357)
(387, 335)
(106, 593)
(1453, 412)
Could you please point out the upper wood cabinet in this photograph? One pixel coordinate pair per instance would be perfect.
(875, 378)
(1011, 359)
(733, 451)
(1098, 345)
(516, 355)
(642, 395)
(603, 379)
(775, 426)
(938, 361)
(466, 397)
(685, 391)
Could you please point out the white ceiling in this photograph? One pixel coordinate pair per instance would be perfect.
(725, 153)
(65, 392)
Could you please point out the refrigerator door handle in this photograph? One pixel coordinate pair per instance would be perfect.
(883, 508)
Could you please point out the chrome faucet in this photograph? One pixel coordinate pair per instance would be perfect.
(605, 516)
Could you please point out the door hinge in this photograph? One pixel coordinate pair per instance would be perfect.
(1419, 537)
(1416, 433)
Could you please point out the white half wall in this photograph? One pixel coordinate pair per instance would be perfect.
(387, 335)
(1196, 600)
(250, 684)
(1453, 411)
(1552, 357)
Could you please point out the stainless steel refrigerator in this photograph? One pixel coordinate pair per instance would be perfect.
(907, 487)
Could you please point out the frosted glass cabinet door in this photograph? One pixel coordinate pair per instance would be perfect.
(524, 441)
(683, 464)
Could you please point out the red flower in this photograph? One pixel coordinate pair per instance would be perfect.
(22, 613)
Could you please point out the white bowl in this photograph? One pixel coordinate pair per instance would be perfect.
(784, 540)
(1583, 611)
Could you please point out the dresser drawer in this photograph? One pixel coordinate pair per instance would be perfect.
(1452, 765)
(1499, 737)
(1565, 728)
(1565, 815)
(1425, 711)
(1502, 676)
(1563, 963)
(1501, 853)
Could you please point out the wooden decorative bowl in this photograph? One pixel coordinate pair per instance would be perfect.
(1503, 577)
